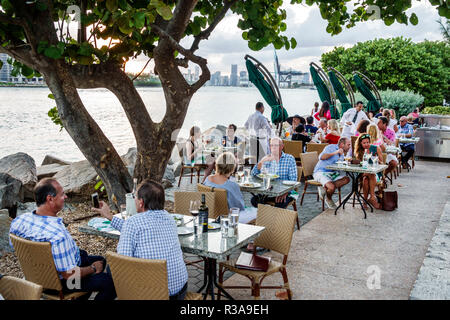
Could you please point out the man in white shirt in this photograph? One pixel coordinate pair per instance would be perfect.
(321, 132)
(351, 118)
(259, 130)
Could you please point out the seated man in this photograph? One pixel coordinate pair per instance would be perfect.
(406, 131)
(151, 234)
(279, 163)
(329, 179)
(42, 225)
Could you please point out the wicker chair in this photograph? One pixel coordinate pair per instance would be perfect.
(354, 138)
(277, 236)
(220, 203)
(294, 148)
(196, 167)
(37, 264)
(12, 288)
(318, 147)
(309, 161)
(141, 279)
(182, 201)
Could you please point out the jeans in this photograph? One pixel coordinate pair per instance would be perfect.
(409, 152)
(264, 199)
(180, 295)
(101, 282)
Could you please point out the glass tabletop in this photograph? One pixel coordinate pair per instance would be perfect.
(357, 168)
(279, 187)
(210, 244)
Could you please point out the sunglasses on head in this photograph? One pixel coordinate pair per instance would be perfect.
(365, 136)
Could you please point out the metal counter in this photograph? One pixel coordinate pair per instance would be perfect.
(434, 137)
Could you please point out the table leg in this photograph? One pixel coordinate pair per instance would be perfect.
(211, 280)
(354, 183)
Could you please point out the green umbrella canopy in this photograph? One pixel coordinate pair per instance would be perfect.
(279, 114)
(337, 86)
(323, 92)
(373, 104)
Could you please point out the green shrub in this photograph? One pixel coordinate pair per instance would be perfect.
(437, 110)
(403, 102)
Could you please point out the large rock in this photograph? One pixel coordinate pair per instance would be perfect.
(49, 159)
(23, 168)
(11, 191)
(49, 170)
(78, 179)
(5, 223)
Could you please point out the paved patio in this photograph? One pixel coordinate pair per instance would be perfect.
(348, 257)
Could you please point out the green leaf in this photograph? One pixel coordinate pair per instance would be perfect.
(414, 19)
(98, 185)
(41, 6)
(53, 52)
(42, 46)
(27, 71)
(51, 96)
(112, 5)
(165, 12)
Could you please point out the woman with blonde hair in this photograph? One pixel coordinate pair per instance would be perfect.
(333, 135)
(363, 145)
(225, 165)
(376, 138)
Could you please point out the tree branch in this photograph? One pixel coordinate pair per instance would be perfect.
(204, 35)
(141, 70)
(202, 62)
(177, 25)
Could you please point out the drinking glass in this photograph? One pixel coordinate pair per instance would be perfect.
(247, 175)
(373, 157)
(266, 181)
(130, 205)
(240, 172)
(193, 209)
(224, 226)
(123, 211)
(234, 218)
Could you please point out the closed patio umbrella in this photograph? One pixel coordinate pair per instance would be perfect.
(340, 93)
(279, 114)
(323, 92)
(373, 104)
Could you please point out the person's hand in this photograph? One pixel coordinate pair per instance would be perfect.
(98, 266)
(104, 210)
(340, 151)
(281, 198)
(349, 123)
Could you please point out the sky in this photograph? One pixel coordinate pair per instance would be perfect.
(226, 46)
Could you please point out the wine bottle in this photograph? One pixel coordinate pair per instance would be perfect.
(203, 215)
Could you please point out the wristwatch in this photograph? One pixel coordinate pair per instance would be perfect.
(93, 268)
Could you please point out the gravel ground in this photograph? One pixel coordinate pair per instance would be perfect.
(94, 245)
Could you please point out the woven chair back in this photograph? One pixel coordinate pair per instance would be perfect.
(138, 279)
(384, 157)
(12, 288)
(309, 161)
(37, 262)
(318, 147)
(279, 224)
(220, 203)
(182, 201)
(293, 148)
(354, 138)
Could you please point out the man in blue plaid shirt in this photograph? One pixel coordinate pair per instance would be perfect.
(280, 163)
(42, 225)
(152, 234)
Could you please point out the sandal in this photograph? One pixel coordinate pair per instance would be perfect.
(374, 203)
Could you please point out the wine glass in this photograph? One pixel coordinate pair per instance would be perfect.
(373, 157)
(193, 209)
(240, 172)
(247, 174)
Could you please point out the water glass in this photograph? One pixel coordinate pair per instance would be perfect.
(234, 218)
(130, 205)
(224, 226)
(247, 175)
(123, 211)
(266, 181)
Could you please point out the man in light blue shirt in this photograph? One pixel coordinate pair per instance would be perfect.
(330, 179)
(152, 234)
(281, 164)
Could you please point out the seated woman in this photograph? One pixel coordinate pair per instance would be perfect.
(300, 135)
(369, 180)
(193, 149)
(362, 127)
(225, 165)
(377, 140)
(333, 135)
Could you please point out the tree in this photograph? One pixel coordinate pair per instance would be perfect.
(33, 33)
(398, 64)
(445, 29)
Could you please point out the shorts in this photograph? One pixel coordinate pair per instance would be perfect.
(324, 177)
(391, 157)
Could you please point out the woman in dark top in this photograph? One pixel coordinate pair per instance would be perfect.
(230, 139)
(300, 135)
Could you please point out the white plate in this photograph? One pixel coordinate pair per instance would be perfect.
(289, 183)
(213, 226)
(271, 176)
(182, 231)
(254, 185)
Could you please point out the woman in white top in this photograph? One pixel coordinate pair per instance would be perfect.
(392, 121)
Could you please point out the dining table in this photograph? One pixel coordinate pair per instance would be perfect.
(212, 246)
(277, 187)
(354, 171)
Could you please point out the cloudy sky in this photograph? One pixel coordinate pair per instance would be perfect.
(226, 46)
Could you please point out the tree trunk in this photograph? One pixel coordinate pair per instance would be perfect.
(85, 132)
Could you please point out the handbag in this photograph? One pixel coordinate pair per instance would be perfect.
(388, 200)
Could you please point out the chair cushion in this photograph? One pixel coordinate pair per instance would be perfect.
(274, 266)
(193, 296)
(313, 182)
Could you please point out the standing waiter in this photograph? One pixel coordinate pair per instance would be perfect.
(260, 131)
(351, 118)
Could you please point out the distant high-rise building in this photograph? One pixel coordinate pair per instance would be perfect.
(215, 79)
(243, 79)
(234, 75)
(225, 81)
(306, 78)
(5, 71)
(197, 73)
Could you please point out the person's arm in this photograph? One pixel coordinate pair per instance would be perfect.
(292, 169)
(410, 132)
(395, 128)
(380, 155)
(105, 212)
(328, 115)
(127, 241)
(326, 156)
(316, 116)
